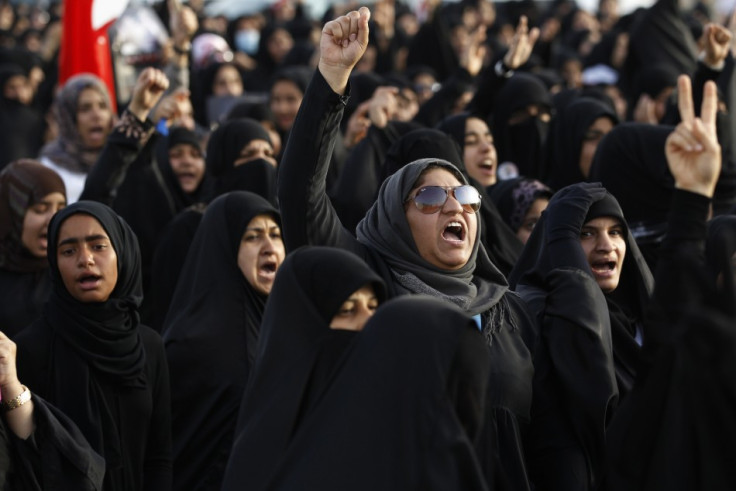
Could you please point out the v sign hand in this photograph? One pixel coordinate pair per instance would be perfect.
(343, 42)
(692, 149)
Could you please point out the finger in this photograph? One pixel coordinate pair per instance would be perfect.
(365, 16)
(522, 27)
(3, 336)
(685, 99)
(709, 108)
(683, 140)
(533, 36)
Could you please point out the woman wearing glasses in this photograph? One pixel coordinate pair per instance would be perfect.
(421, 236)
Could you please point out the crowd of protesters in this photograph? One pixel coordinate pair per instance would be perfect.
(465, 245)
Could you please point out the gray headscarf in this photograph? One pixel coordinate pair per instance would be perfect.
(476, 287)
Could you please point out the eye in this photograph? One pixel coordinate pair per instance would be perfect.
(585, 234)
(276, 235)
(67, 251)
(617, 232)
(250, 238)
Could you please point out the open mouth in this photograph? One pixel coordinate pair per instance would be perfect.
(268, 269)
(487, 165)
(454, 232)
(603, 268)
(89, 281)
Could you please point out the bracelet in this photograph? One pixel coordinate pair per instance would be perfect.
(183, 51)
(17, 401)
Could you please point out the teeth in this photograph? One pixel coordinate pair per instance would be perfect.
(454, 224)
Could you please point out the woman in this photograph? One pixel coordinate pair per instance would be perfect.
(475, 140)
(89, 356)
(421, 236)
(285, 96)
(30, 194)
(418, 354)
(521, 201)
(84, 114)
(320, 299)
(589, 286)
(212, 329)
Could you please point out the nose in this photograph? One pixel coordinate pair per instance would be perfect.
(85, 257)
(452, 205)
(604, 243)
(362, 316)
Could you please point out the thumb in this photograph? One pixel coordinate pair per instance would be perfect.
(365, 16)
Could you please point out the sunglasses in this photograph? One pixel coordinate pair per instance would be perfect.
(431, 199)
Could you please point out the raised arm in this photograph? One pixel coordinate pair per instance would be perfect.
(306, 212)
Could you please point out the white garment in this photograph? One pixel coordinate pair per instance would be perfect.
(73, 181)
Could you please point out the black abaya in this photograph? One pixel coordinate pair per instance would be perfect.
(210, 336)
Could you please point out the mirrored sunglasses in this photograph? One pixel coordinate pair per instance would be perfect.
(431, 199)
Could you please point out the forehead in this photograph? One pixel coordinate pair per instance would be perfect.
(262, 221)
(257, 143)
(604, 222)
(90, 94)
(437, 177)
(476, 125)
(80, 224)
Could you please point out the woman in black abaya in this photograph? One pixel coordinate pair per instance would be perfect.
(211, 333)
(404, 410)
(298, 357)
(30, 194)
(89, 355)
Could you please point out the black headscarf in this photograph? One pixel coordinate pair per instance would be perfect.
(178, 198)
(523, 143)
(475, 287)
(631, 164)
(295, 339)
(211, 335)
(94, 341)
(514, 197)
(21, 125)
(404, 410)
(566, 140)
(626, 304)
(22, 184)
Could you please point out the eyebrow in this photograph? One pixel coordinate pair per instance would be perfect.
(89, 238)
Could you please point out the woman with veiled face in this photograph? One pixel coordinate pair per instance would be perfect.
(30, 194)
(84, 114)
(212, 329)
(89, 355)
(421, 236)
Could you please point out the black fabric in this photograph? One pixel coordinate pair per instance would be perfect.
(93, 360)
(403, 411)
(210, 335)
(21, 125)
(308, 218)
(720, 248)
(674, 432)
(309, 289)
(523, 143)
(592, 356)
(514, 197)
(566, 140)
(631, 164)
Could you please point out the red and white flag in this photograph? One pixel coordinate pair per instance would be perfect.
(85, 45)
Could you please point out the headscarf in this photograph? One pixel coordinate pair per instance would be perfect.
(22, 184)
(94, 341)
(178, 199)
(295, 345)
(211, 336)
(523, 143)
(404, 410)
(631, 164)
(514, 197)
(567, 137)
(475, 287)
(226, 142)
(68, 151)
(21, 125)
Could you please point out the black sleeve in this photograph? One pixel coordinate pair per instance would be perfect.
(307, 216)
(121, 149)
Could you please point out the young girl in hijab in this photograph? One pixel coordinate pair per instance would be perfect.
(521, 201)
(84, 114)
(421, 236)
(89, 355)
(402, 412)
(320, 299)
(211, 333)
(30, 194)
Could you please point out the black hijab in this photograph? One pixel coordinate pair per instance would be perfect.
(523, 143)
(295, 342)
(626, 304)
(96, 341)
(476, 287)
(404, 410)
(211, 334)
(566, 140)
(21, 125)
(631, 164)
(177, 198)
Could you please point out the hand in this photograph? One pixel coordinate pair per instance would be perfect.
(173, 106)
(646, 110)
(383, 106)
(522, 45)
(717, 44)
(9, 384)
(183, 23)
(692, 149)
(473, 53)
(568, 208)
(149, 88)
(358, 125)
(343, 42)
